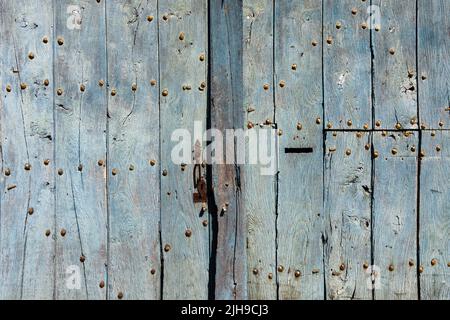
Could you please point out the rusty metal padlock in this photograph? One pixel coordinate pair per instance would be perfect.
(200, 184)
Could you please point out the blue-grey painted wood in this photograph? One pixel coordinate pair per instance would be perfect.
(434, 66)
(347, 65)
(395, 214)
(298, 101)
(347, 197)
(80, 126)
(259, 190)
(133, 142)
(226, 113)
(434, 213)
(394, 64)
(183, 39)
(27, 198)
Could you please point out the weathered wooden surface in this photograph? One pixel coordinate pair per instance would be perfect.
(347, 201)
(183, 39)
(434, 223)
(395, 214)
(259, 190)
(80, 142)
(27, 139)
(394, 64)
(346, 65)
(133, 142)
(102, 211)
(433, 48)
(299, 114)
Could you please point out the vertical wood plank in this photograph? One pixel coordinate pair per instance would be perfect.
(259, 190)
(183, 39)
(395, 215)
(226, 113)
(133, 142)
(434, 66)
(298, 100)
(434, 226)
(394, 64)
(347, 65)
(348, 214)
(27, 199)
(80, 115)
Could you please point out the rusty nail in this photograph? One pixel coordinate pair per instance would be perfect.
(391, 267)
(364, 25)
(47, 232)
(433, 262)
(433, 133)
(11, 186)
(410, 73)
(164, 173)
(365, 265)
(280, 268)
(377, 27)
(384, 133)
(167, 248)
(27, 166)
(205, 223)
(181, 36)
(152, 162)
(82, 258)
(63, 232)
(354, 11)
(60, 172)
(30, 211)
(153, 82)
(378, 123)
(330, 40)
(421, 269)
(59, 91)
(412, 121)
(398, 126)
(280, 132)
(375, 154)
(60, 41)
(332, 149)
(392, 51)
(120, 295)
(318, 120)
(348, 152)
(349, 123)
(113, 92)
(394, 151)
(367, 146)
(448, 264)
(299, 126)
(31, 55)
(80, 167)
(424, 77)
(366, 126)
(282, 84)
(165, 17)
(329, 125)
(23, 86)
(294, 66)
(45, 40)
(297, 273)
(423, 126)
(411, 263)
(441, 123)
(7, 172)
(438, 148)
(249, 125)
(338, 25)
(358, 134)
(314, 43)
(315, 271)
(255, 271)
(114, 171)
(149, 18)
(165, 93)
(266, 86)
(100, 162)
(413, 148)
(422, 153)
(203, 85)
(201, 57)
(131, 167)
(270, 276)
(342, 267)
(101, 83)
(134, 87)
(153, 271)
(101, 284)
(188, 233)
(82, 88)
(8, 88)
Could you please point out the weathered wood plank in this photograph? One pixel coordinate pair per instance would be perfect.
(434, 226)
(80, 126)
(395, 214)
(259, 190)
(226, 36)
(347, 65)
(27, 199)
(183, 40)
(348, 214)
(394, 64)
(434, 65)
(133, 142)
(298, 100)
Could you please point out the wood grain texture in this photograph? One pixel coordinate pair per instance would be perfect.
(347, 64)
(434, 223)
(26, 253)
(259, 190)
(395, 72)
(433, 49)
(182, 39)
(347, 200)
(133, 141)
(80, 126)
(395, 214)
(226, 36)
(298, 100)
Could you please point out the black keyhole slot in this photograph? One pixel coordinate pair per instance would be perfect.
(298, 150)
